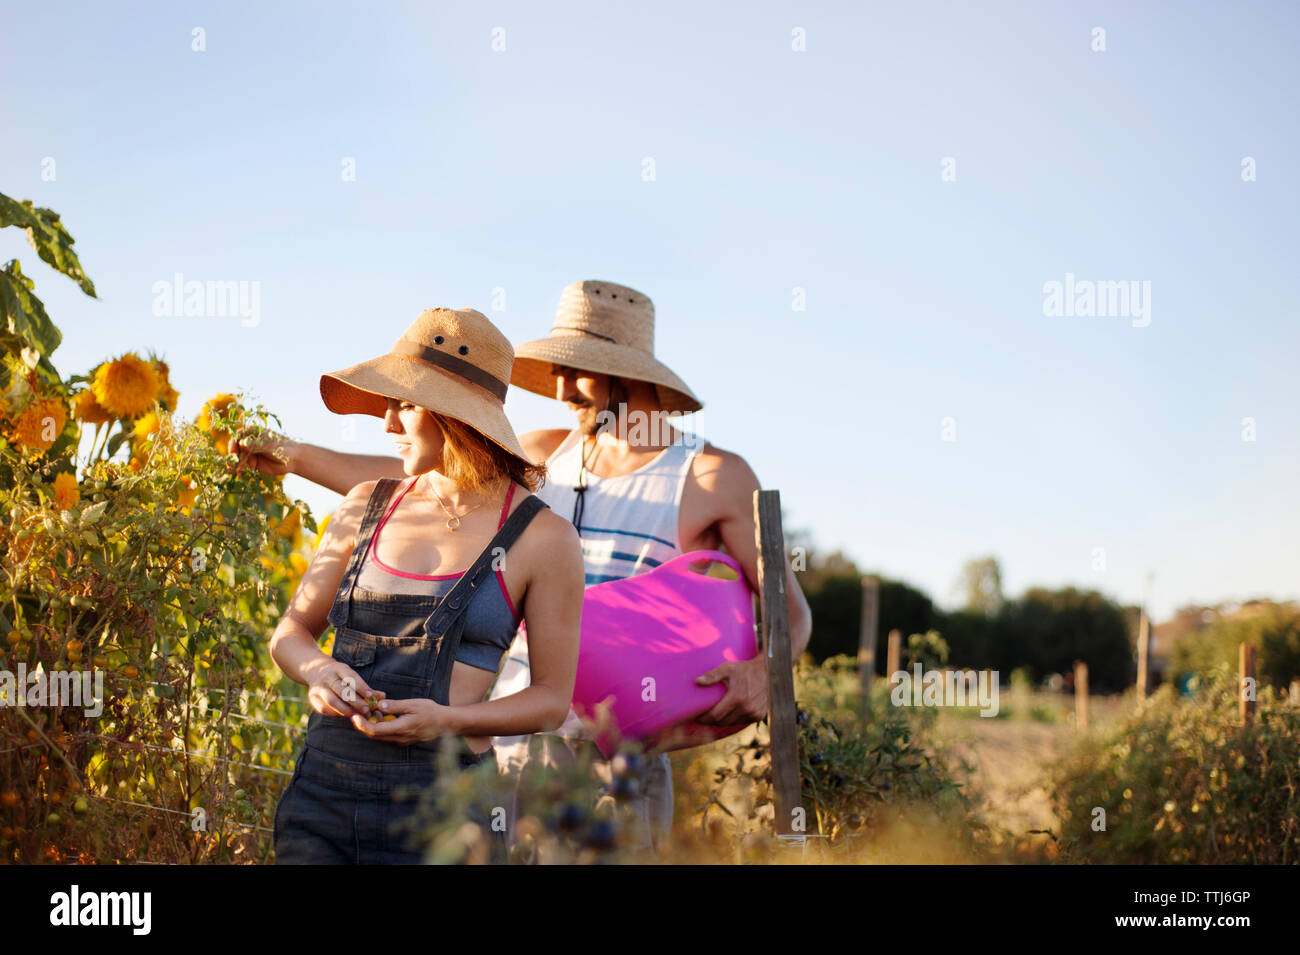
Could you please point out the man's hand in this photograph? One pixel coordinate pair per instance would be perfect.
(268, 453)
(746, 699)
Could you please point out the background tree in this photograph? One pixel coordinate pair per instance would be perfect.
(981, 586)
(1047, 630)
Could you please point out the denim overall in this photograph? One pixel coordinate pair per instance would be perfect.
(350, 794)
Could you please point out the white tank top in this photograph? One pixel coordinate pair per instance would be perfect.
(629, 522)
(629, 526)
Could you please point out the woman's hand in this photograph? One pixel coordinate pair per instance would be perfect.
(334, 689)
(417, 720)
(269, 453)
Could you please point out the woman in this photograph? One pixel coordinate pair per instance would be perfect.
(415, 631)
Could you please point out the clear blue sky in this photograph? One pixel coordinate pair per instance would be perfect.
(775, 169)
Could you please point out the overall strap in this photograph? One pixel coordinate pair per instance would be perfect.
(446, 624)
(379, 498)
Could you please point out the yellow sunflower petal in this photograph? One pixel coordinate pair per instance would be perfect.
(127, 386)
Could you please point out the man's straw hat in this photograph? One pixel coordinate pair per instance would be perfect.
(452, 361)
(604, 328)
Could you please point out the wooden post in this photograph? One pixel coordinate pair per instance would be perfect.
(1081, 696)
(1295, 693)
(867, 634)
(894, 659)
(1144, 640)
(776, 645)
(1246, 687)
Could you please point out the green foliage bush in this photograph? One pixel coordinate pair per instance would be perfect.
(1182, 782)
(149, 563)
(1273, 630)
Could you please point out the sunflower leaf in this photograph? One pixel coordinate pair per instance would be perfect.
(115, 442)
(24, 314)
(47, 236)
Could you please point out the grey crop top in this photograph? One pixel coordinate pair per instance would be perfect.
(490, 620)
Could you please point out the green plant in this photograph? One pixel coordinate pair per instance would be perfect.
(148, 563)
(1180, 781)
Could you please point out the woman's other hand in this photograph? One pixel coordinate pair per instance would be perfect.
(334, 689)
(417, 720)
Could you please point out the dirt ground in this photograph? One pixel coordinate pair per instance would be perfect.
(1011, 755)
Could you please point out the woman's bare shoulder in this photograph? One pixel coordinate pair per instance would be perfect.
(550, 533)
(346, 520)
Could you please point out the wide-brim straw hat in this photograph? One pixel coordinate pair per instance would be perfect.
(452, 361)
(604, 328)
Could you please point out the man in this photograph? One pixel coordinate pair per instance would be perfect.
(639, 493)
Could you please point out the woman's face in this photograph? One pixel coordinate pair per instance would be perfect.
(417, 436)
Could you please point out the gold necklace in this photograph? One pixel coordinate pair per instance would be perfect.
(453, 522)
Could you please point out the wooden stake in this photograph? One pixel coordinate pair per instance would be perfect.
(1144, 640)
(894, 659)
(867, 634)
(1246, 687)
(1081, 696)
(780, 679)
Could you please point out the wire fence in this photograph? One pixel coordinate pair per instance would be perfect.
(244, 695)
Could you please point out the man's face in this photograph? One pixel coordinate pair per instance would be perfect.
(586, 394)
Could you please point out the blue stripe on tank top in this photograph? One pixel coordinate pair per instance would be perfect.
(610, 530)
(633, 558)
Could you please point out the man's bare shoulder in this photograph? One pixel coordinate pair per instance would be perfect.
(540, 445)
(724, 473)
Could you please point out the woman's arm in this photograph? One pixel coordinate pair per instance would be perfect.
(552, 560)
(336, 470)
(334, 689)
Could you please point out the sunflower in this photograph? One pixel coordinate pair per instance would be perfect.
(127, 386)
(298, 563)
(66, 493)
(87, 410)
(218, 404)
(40, 425)
(185, 499)
(167, 395)
(145, 425)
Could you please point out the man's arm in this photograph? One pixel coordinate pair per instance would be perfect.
(336, 470)
(730, 484)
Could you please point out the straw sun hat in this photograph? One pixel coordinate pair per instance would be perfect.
(452, 361)
(604, 328)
